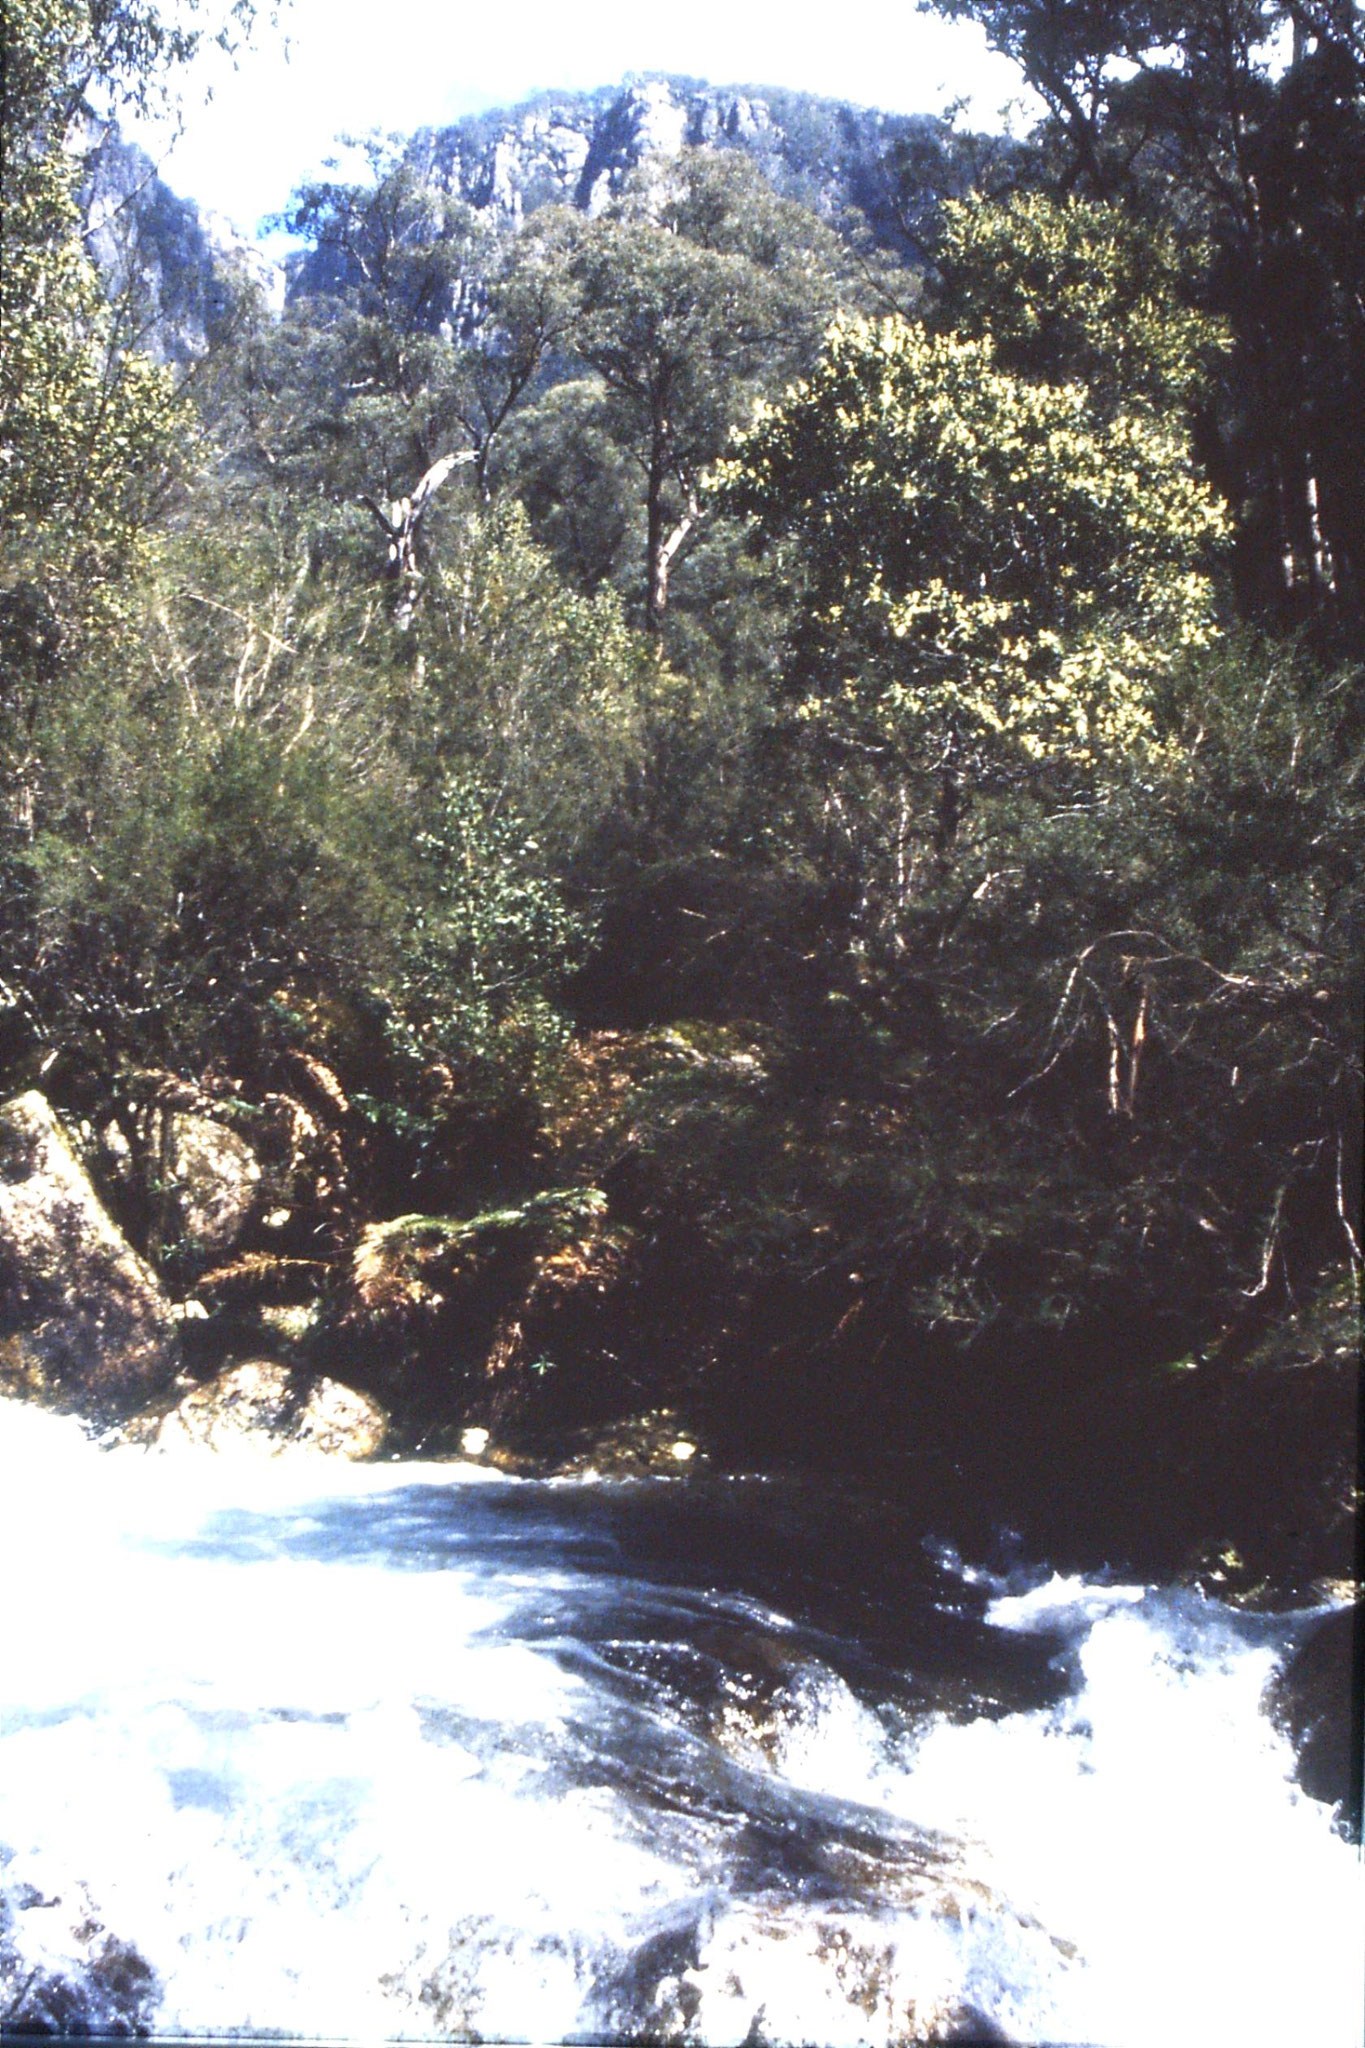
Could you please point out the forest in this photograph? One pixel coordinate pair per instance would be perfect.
(757, 822)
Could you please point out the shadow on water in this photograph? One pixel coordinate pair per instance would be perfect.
(687, 1689)
(630, 1574)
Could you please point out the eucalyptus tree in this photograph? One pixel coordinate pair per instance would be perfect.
(695, 290)
(1242, 121)
(379, 306)
(415, 330)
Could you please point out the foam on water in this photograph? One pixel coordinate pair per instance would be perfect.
(1151, 1818)
(287, 1745)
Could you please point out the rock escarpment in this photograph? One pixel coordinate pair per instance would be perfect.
(184, 272)
(84, 1322)
(179, 273)
(577, 149)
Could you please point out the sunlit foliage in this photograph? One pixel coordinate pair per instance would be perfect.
(992, 558)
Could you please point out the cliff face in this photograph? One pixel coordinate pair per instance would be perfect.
(180, 272)
(576, 149)
(176, 273)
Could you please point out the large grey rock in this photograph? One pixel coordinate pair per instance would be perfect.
(216, 1179)
(84, 1324)
(266, 1406)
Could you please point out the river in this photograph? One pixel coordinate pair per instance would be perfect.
(290, 1747)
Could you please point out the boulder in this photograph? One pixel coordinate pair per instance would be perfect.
(634, 1445)
(216, 1178)
(84, 1324)
(1314, 1699)
(267, 1406)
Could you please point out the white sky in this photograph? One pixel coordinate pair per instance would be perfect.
(356, 65)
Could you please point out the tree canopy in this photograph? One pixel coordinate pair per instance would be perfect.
(1010, 564)
(1246, 124)
(695, 288)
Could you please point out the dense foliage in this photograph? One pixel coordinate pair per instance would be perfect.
(1244, 122)
(606, 703)
(1014, 568)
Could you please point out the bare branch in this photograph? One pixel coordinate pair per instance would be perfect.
(1272, 1238)
(1352, 1240)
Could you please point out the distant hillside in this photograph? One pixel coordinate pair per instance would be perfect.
(190, 266)
(576, 148)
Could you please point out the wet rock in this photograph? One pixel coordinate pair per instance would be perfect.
(84, 1324)
(273, 1407)
(1315, 1700)
(61, 1971)
(292, 1325)
(633, 1446)
(114, 1156)
(216, 1178)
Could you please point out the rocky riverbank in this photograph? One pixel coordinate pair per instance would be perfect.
(536, 1338)
(217, 1262)
(198, 1237)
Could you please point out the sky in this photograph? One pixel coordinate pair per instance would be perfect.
(351, 66)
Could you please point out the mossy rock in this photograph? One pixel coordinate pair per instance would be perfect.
(84, 1323)
(414, 1263)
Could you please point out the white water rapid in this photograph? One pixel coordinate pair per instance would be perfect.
(289, 1747)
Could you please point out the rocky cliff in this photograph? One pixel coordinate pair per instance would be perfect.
(176, 273)
(180, 272)
(576, 148)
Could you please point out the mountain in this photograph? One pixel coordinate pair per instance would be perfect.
(189, 268)
(576, 148)
(176, 271)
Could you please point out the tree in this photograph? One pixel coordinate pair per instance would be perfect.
(696, 288)
(543, 692)
(415, 332)
(1191, 110)
(484, 948)
(400, 521)
(81, 427)
(356, 396)
(88, 430)
(1002, 571)
(1079, 289)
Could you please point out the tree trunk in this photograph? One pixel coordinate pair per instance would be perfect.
(656, 569)
(664, 559)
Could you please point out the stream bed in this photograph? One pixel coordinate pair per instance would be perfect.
(295, 1748)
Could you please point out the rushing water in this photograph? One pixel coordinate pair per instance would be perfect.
(292, 1747)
